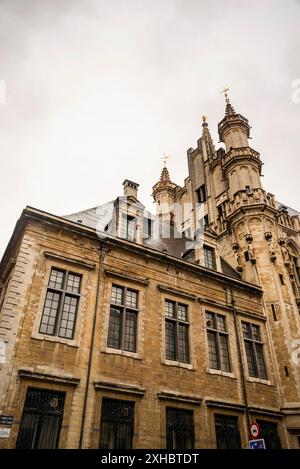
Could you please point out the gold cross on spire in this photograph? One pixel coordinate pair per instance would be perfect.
(165, 158)
(224, 90)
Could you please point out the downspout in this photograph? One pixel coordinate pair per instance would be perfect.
(86, 391)
(242, 369)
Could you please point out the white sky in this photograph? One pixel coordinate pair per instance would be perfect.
(98, 90)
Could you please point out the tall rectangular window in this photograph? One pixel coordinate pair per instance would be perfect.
(180, 429)
(254, 350)
(128, 227)
(227, 432)
(217, 337)
(177, 331)
(117, 423)
(122, 328)
(201, 194)
(209, 257)
(41, 420)
(61, 303)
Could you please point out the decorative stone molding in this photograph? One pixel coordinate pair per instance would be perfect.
(236, 248)
(269, 239)
(250, 249)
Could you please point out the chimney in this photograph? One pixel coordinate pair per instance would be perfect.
(130, 188)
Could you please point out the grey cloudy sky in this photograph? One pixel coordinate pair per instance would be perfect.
(98, 90)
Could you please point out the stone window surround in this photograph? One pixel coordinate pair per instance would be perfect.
(172, 295)
(53, 260)
(266, 352)
(231, 334)
(115, 278)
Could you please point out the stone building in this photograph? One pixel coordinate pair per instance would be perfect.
(124, 329)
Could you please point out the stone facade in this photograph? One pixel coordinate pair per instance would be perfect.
(253, 240)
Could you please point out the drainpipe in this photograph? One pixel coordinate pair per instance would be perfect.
(242, 369)
(87, 383)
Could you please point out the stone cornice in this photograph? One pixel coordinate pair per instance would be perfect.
(49, 378)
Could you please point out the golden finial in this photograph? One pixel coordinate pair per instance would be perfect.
(165, 158)
(204, 118)
(224, 90)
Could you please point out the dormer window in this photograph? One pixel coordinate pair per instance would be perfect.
(148, 227)
(209, 257)
(128, 227)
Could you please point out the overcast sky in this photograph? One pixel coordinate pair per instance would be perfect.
(98, 90)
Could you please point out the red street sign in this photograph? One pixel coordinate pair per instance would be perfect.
(254, 430)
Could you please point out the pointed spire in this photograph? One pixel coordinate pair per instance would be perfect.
(165, 176)
(207, 138)
(229, 110)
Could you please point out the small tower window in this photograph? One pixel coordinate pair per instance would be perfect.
(281, 277)
(201, 194)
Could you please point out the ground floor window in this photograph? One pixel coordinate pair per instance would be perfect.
(180, 429)
(117, 422)
(41, 420)
(268, 431)
(227, 432)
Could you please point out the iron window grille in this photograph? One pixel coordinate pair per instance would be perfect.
(227, 432)
(254, 350)
(177, 331)
(117, 424)
(41, 419)
(122, 329)
(61, 304)
(217, 337)
(268, 431)
(180, 429)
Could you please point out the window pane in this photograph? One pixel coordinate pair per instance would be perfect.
(260, 361)
(183, 343)
(131, 229)
(117, 419)
(49, 313)
(117, 295)
(170, 309)
(246, 330)
(212, 350)
(182, 312)
(209, 258)
(130, 331)
(210, 317)
(221, 323)
(255, 332)
(66, 328)
(170, 341)
(73, 283)
(224, 352)
(114, 328)
(56, 279)
(251, 359)
(131, 299)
